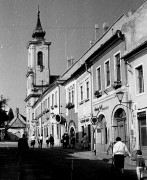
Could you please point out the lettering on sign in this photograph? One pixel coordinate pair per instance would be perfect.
(101, 108)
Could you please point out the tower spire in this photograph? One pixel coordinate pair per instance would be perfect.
(38, 32)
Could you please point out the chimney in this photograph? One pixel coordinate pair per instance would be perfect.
(70, 62)
(17, 112)
(131, 12)
(96, 31)
(105, 27)
(91, 43)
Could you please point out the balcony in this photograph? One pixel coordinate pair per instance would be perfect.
(97, 93)
(117, 84)
(70, 105)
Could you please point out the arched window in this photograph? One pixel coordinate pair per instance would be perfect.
(40, 59)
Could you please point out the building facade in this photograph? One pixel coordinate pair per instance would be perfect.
(135, 59)
(99, 85)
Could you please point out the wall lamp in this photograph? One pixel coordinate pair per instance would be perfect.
(120, 95)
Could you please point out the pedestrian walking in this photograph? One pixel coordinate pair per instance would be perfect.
(47, 141)
(51, 140)
(65, 140)
(33, 141)
(72, 141)
(41, 141)
(110, 148)
(84, 142)
(22, 147)
(140, 164)
(119, 153)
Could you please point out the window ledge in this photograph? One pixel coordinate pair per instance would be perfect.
(80, 103)
(87, 99)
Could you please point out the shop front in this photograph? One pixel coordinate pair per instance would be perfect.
(112, 122)
(142, 127)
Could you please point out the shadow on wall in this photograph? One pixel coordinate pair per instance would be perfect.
(12, 137)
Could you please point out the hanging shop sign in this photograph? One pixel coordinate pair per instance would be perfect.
(84, 120)
(94, 120)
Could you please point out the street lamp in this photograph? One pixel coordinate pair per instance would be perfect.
(120, 95)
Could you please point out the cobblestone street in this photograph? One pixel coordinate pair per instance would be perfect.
(57, 163)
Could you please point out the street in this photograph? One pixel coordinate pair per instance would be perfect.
(54, 163)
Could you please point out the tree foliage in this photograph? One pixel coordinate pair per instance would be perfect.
(4, 117)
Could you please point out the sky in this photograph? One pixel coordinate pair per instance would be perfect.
(69, 26)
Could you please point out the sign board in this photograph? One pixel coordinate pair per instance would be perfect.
(58, 118)
(94, 120)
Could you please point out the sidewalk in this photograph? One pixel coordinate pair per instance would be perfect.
(129, 164)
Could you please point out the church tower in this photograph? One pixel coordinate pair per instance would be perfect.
(38, 72)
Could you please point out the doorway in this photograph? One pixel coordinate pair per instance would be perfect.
(120, 124)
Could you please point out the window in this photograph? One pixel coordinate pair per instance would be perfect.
(107, 71)
(87, 89)
(99, 79)
(52, 99)
(40, 59)
(71, 94)
(118, 67)
(81, 88)
(48, 102)
(140, 80)
(56, 98)
(43, 106)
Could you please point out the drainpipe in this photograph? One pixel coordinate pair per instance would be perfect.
(59, 110)
(128, 111)
(92, 129)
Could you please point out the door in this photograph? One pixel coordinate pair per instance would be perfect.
(143, 132)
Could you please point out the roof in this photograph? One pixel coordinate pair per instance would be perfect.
(19, 121)
(38, 32)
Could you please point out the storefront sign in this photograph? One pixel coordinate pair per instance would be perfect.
(101, 108)
(84, 120)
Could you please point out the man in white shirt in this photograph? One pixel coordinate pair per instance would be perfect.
(41, 140)
(119, 152)
(33, 140)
